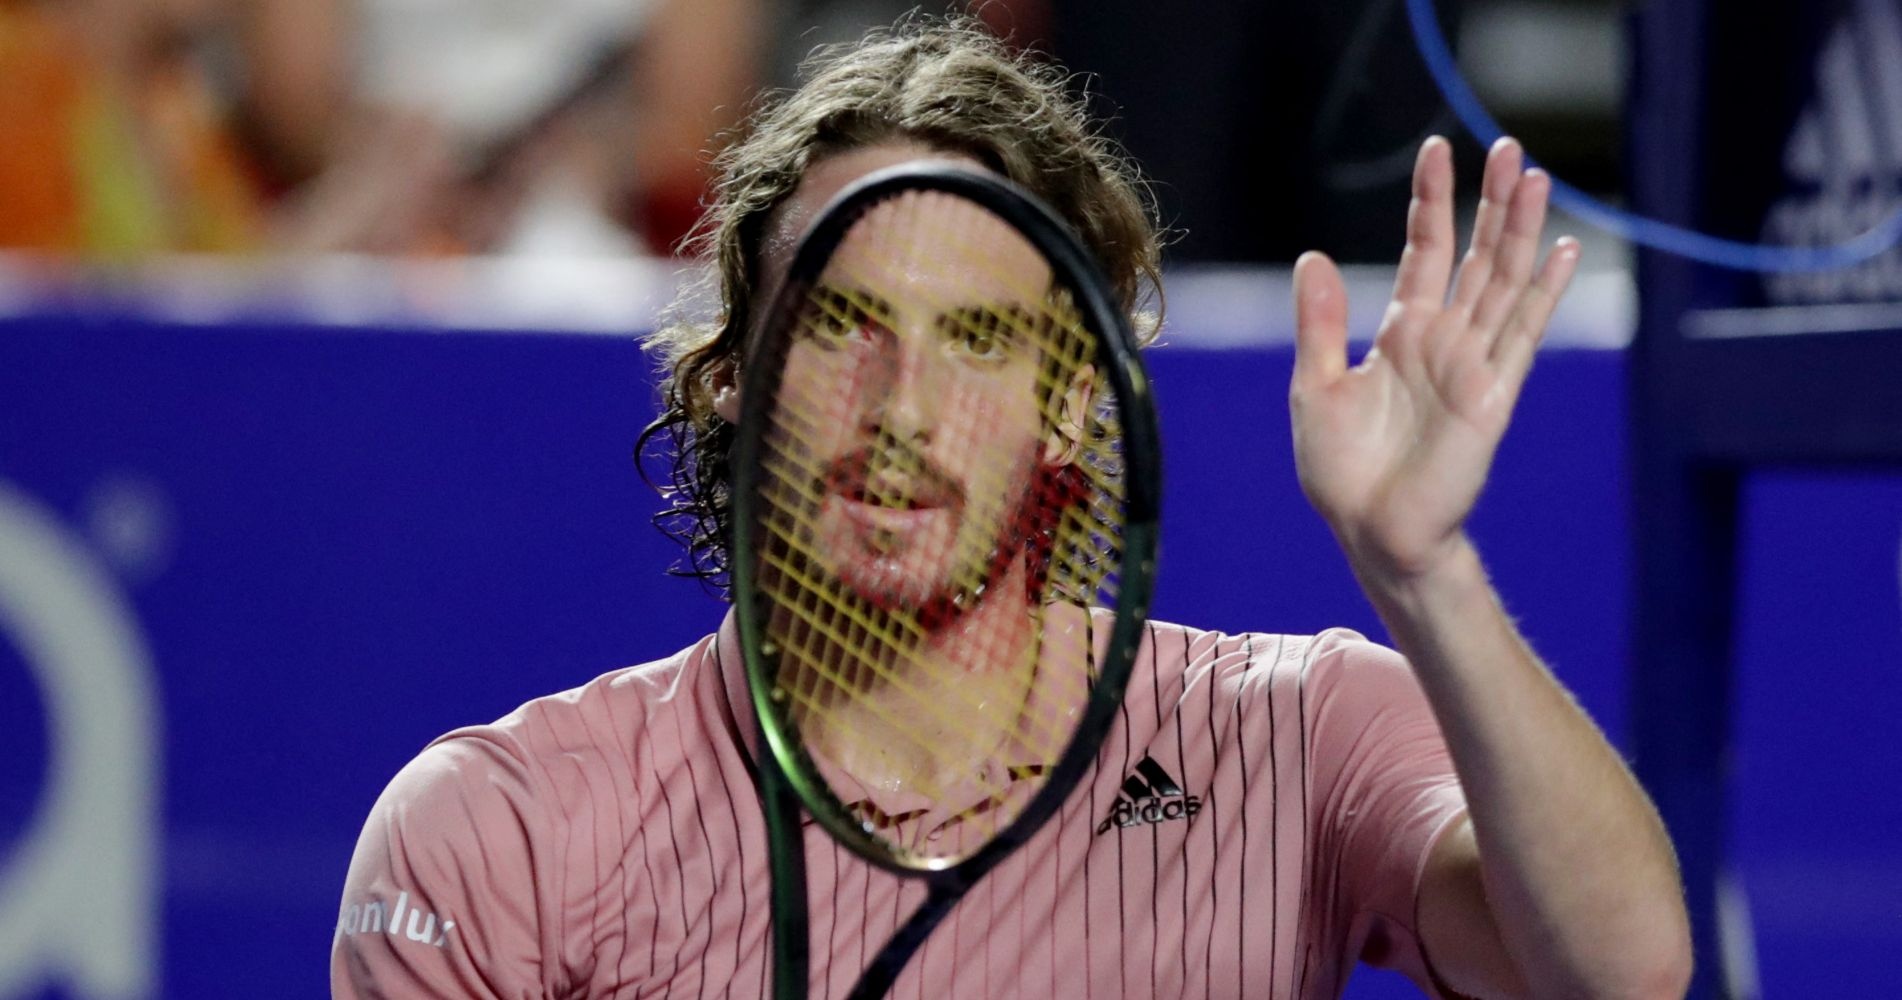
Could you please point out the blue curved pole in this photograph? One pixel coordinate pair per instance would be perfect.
(1639, 229)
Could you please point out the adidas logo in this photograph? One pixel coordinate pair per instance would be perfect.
(1842, 160)
(1148, 797)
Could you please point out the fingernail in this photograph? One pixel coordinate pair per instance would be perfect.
(1302, 263)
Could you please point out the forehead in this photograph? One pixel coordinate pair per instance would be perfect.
(920, 247)
(930, 253)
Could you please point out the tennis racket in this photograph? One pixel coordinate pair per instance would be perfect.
(945, 484)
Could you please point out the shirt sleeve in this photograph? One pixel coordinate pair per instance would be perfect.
(1387, 789)
(441, 896)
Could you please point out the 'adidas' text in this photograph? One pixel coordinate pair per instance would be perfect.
(1148, 797)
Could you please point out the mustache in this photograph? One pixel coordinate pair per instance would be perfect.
(866, 474)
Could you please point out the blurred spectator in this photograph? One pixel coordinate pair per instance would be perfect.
(580, 126)
(495, 126)
(112, 141)
(391, 126)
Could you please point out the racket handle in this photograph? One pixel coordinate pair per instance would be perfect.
(787, 858)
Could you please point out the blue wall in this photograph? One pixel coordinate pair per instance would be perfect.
(335, 544)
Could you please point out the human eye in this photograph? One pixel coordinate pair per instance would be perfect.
(836, 317)
(984, 334)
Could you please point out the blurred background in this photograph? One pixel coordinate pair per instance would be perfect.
(580, 128)
(320, 378)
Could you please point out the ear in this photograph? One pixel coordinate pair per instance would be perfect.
(1065, 440)
(724, 380)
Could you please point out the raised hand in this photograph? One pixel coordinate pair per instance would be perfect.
(1393, 451)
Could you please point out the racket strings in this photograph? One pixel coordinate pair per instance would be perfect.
(802, 418)
(901, 631)
(838, 631)
(820, 644)
(857, 602)
(833, 635)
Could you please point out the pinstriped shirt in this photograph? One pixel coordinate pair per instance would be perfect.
(1256, 822)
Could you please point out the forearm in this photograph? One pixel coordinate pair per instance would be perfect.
(1578, 872)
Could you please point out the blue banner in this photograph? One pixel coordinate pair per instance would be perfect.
(247, 571)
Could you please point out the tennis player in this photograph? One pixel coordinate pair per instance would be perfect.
(1269, 809)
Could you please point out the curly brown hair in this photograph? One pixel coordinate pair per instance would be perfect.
(945, 83)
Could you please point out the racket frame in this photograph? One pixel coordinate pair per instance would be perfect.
(788, 775)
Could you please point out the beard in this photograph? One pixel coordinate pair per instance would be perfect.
(911, 540)
(853, 573)
(884, 530)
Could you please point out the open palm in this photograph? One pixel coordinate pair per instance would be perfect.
(1393, 451)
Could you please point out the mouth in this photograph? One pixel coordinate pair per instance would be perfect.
(892, 496)
(888, 505)
(887, 516)
(890, 511)
(887, 491)
(886, 496)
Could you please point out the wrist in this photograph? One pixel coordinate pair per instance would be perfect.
(1451, 567)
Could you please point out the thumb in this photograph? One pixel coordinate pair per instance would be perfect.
(1320, 321)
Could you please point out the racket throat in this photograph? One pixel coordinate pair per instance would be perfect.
(883, 971)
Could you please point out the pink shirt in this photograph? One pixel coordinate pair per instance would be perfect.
(1257, 820)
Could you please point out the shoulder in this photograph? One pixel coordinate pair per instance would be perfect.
(1352, 680)
(1230, 659)
(547, 765)
(589, 741)
(478, 838)
(597, 716)
(1328, 685)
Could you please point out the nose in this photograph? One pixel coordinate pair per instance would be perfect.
(907, 389)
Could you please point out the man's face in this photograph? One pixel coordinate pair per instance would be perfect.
(908, 409)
